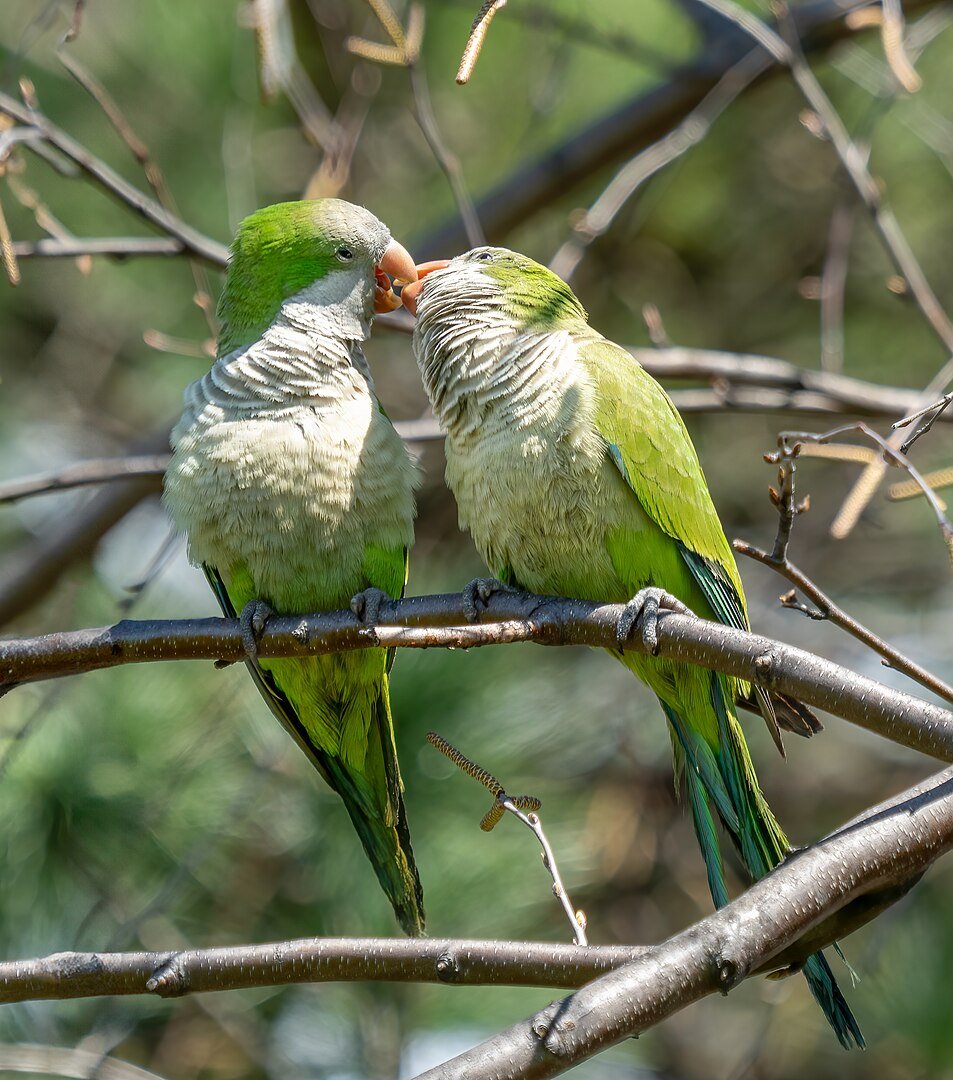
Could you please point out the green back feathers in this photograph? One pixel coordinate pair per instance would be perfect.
(282, 249)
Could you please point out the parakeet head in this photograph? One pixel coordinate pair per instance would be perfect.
(521, 290)
(490, 327)
(338, 251)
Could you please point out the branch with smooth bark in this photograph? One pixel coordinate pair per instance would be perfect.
(439, 621)
(886, 844)
(451, 961)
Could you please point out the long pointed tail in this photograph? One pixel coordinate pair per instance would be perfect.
(375, 803)
(722, 778)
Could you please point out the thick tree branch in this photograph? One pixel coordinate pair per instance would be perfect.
(636, 124)
(451, 961)
(804, 905)
(889, 842)
(440, 622)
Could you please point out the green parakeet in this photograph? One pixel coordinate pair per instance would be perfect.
(575, 475)
(296, 492)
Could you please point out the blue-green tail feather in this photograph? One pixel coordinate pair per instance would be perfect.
(726, 776)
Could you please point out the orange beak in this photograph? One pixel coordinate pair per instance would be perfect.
(396, 263)
(412, 292)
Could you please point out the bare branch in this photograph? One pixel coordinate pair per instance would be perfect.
(936, 410)
(93, 471)
(171, 974)
(635, 124)
(119, 247)
(108, 179)
(887, 843)
(461, 962)
(440, 621)
(891, 455)
(597, 220)
(778, 560)
(523, 808)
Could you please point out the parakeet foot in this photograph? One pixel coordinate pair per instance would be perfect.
(252, 620)
(642, 610)
(366, 605)
(478, 592)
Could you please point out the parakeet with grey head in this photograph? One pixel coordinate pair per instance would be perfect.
(296, 492)
(575, 476)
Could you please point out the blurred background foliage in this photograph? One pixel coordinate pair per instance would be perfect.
(160, 805)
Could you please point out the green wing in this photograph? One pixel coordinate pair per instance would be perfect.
(648, 443)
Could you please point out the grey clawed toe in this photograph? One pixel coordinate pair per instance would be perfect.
(477, 593)
(366, 605)
(643, 611)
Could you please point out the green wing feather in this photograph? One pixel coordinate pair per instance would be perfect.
(372, 793)
(657, 460)
(648, 444)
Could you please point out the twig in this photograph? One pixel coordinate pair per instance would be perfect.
(788, 509)
(118, 247)
(471, 52)
(93, 471)
(891, 455)
(868, 888)
(405, 51)
(108, 179)
(899, 837)
(448, 162)
(522, 807)
(789, 54)
(597, 220)
(440, 622)
(153, 174)
(936, 410)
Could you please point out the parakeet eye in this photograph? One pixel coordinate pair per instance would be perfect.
(485, 255)
(344, 254)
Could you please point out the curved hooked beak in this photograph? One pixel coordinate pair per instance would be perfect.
(396, 263)
(411, 293)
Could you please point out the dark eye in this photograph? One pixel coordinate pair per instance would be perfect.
(344, 254)
(485, 255)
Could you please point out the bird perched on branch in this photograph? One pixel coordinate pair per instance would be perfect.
(297, 493)
(575, 476)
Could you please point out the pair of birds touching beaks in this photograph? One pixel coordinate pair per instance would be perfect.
(571, 468)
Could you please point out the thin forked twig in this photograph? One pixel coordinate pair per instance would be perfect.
(405, 51)
(524, 808)
(108, 179)
(783, 498)
(154, 175)
(471, 52)
(935, 410)
(891, 456)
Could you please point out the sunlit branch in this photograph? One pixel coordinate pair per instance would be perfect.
(440, 622)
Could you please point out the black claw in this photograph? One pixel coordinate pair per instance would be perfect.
(643, 611)
(252, 620)
(477, 593)
(366, 605)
